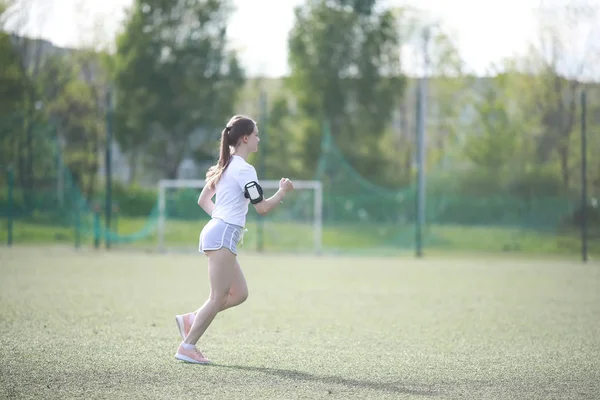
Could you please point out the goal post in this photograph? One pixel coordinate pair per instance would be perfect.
(306, 193)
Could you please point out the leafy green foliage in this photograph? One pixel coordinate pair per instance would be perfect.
(13, 84)
(175, 79)
(493, 142)
(345, 70)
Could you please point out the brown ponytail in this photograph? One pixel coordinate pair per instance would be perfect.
(237, 127)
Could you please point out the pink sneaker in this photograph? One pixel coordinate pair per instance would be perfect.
(191, 355)
(184, 323)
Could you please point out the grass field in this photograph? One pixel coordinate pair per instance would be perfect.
(101, 325)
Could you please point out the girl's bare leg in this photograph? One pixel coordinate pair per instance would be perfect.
(222, 274)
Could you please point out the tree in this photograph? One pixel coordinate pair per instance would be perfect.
(13, 84)
(561, 69)
(431, 52)
(175, 80)
(345, 69)
(493, 141)
(71, 103)
(21, 58)
(59, 88)
(278, 146)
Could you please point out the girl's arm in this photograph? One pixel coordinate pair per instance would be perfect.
(205, 200)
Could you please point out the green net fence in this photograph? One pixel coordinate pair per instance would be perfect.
(385, 220)
(357, 216)
(48, 206)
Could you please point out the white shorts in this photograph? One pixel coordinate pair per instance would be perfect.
(217, 234)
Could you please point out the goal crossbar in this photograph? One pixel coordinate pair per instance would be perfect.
(165, 184)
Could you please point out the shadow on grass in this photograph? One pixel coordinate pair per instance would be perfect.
(335, 380)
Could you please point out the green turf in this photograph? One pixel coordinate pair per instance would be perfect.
(98, 325)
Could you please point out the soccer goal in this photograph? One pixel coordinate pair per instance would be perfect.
(295, 225)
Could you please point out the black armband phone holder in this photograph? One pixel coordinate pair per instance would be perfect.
(254, 192)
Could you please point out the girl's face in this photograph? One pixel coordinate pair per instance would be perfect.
(252, 140)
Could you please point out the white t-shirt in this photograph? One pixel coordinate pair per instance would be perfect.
(230, 204)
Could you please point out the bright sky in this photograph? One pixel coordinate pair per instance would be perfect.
(485, 30)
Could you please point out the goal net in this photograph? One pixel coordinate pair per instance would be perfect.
(294, 226)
